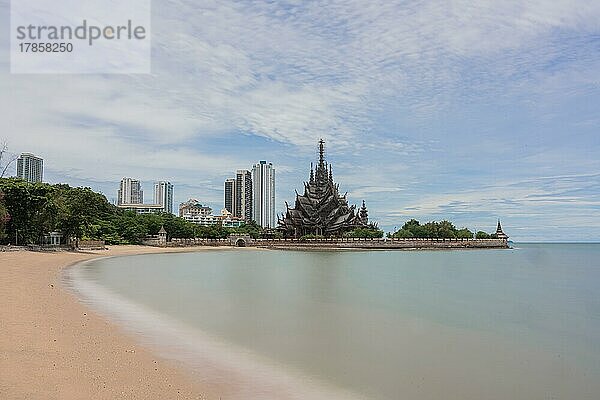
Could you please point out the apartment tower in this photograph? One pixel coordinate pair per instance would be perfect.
(130, 192)
(263, 194)
(163, 195)
(30, 168)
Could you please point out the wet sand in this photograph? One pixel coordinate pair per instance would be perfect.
(53, 347)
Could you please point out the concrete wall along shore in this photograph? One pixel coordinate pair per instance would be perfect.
(359, 243)
(343, 243)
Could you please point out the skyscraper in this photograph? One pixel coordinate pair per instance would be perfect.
(130, 192)
(243, 194)
(230, 195)
(238, 195)
(30, 168)
(263, 194)
(163, 195)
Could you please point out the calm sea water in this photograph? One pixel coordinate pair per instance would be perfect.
(520, 324)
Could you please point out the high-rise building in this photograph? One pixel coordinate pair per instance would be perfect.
(130, 192)
(243, 194)
(30, 168)
(238, 195)
(263, 194)
(163, 195)
(230, 195)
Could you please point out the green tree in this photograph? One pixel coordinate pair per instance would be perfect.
(106, 229)
(212, 232)
(482, 235)
(31, 207)
(131, 227)
(249, 228)
(80, 209)
(4, 218)
(403, 234)
(177, 227)
(367, 232)
(464, 233)
(415, 228)
(432, 229)
(446, 229)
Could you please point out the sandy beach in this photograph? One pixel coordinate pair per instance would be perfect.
(53, 347)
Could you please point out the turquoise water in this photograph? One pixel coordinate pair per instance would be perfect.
(521, 323)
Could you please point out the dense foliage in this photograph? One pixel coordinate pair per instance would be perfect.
(433, 229)
(4, 217)
(30, 210)
(485, 235)
(371, 231)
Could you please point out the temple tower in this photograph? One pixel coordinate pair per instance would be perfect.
(321, 210)
(499, 233)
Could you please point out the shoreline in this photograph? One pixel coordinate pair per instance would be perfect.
(375, 249)
(54, 346)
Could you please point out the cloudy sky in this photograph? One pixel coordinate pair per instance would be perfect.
(469, 111)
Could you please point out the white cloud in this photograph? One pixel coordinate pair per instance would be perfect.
(290, 72)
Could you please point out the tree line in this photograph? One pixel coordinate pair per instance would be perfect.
(28, 211)
(437, 230)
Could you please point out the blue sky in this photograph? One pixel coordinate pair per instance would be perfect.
(469, 111)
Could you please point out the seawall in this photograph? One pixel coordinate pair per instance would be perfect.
(389, 244)
(344, 243)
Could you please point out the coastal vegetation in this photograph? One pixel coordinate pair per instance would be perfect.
(433, 230)
(485, 235)
(3, 217)
(28, 211)
(370, 231)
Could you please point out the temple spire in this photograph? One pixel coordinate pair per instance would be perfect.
(312, 174)
(363, 213)
(500, 233)
(321, 153)
(330, 174)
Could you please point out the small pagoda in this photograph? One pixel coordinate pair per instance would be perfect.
(500, 233)
(321, 210)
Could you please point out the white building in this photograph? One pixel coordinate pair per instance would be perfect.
(143, 208)
(194, 207)
(263, 194)
(130, 192)
(30, 168)
(225, 219)
(163, 195)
